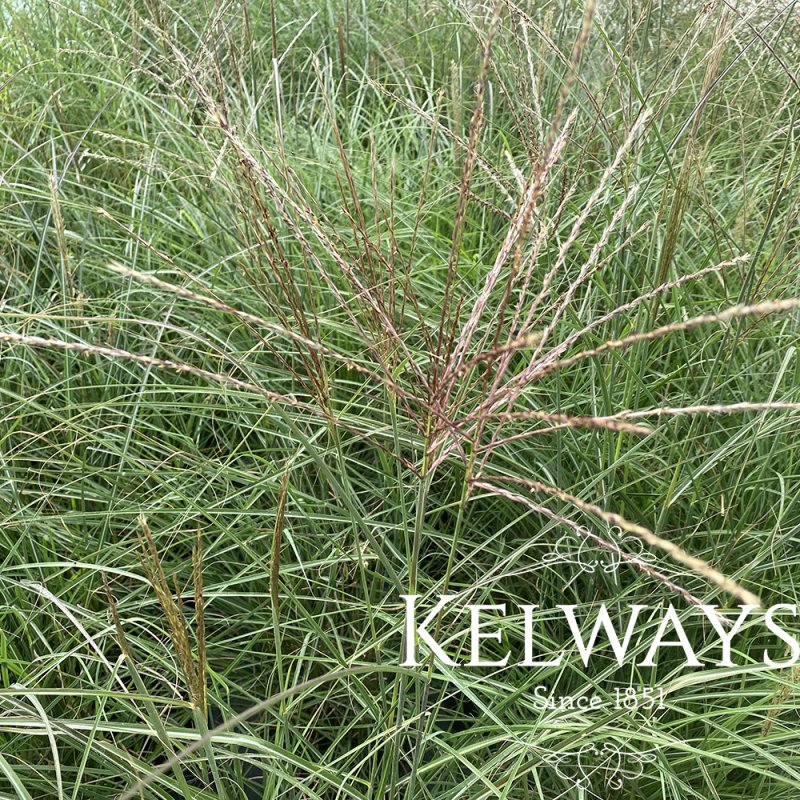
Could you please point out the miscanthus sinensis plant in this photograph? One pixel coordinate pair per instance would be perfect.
(308, 306)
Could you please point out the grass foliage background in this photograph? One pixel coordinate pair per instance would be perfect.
(321, 167)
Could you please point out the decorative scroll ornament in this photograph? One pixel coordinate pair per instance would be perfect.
(596, 767)
(582, 552)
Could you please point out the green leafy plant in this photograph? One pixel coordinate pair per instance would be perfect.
(309, 306)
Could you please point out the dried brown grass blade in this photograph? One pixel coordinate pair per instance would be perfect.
(8, 337)
(731, 408)
(176, 622)
(200, 622)
(277, 540)
(735, 312)
(675, 552)
(642, 566)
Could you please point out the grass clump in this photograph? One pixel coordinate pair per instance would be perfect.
(306, 307)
